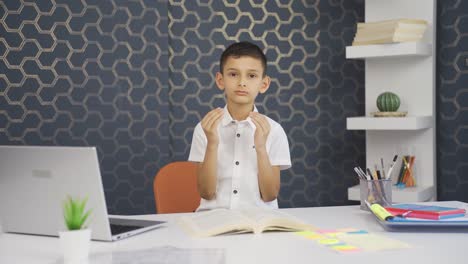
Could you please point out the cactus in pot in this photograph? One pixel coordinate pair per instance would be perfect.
(388, 102)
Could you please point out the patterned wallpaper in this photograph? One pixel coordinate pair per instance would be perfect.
(452, 100)
(313, 87)
(133, 77)
(90, 73)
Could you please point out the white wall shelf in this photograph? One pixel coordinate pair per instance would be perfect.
(406, 49)
(405, 195)
(389, 123)
(408, 70)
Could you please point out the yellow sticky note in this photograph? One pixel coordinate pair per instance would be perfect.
(310, 235)
(345, 248)
(315, 236)
(329, 241)
(333, 234)
(305, 233)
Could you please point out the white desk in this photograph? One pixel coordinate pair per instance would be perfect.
(267, 248)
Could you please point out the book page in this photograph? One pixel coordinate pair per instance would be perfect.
(274, 220)
(216, 222)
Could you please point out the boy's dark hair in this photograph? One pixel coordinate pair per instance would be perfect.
(243, 48)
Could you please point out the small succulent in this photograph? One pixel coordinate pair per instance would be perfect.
(74, 213)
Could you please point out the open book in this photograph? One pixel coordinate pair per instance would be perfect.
(224, 221)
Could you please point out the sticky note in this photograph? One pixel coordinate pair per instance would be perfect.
(330, 233)
(305, 233)
(315, 236)
(329, 241)
(310, 235)
(345, 248)
(372, 242)
(357, 232)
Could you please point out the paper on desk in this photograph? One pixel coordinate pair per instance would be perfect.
(161, 255)
(372, 242)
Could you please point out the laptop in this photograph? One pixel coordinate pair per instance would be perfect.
(36, 180)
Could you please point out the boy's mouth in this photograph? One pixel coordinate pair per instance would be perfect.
(241, 93)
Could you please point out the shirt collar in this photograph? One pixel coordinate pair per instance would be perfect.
(227, 118)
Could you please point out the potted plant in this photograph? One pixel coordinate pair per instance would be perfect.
(75, 242)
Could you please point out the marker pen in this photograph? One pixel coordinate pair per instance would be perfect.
(380, 212)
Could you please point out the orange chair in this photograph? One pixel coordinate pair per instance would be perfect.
(175, 188)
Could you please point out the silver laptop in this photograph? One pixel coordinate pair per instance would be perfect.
(34, 182)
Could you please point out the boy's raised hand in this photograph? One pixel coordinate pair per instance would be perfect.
(262, 131)
(210, 123)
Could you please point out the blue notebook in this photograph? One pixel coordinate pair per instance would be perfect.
(431, 212)
(455, 224)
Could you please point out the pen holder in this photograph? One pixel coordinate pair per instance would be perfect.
(376, 191)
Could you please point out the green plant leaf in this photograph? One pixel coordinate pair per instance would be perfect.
(83, 219)
(68, 213)
(74, 213)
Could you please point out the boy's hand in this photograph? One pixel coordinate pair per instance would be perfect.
(210, 123)
(262, 131)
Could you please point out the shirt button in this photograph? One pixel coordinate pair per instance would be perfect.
(238, 135)
(237, 163)
(235, 191)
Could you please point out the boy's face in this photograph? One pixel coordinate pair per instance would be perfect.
(242, 79)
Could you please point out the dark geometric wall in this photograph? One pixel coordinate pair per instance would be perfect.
(452, 100)
(93, 73)
(134, 77)
(313, 87)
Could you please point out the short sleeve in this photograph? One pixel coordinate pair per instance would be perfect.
(198, 147)
(279, 148)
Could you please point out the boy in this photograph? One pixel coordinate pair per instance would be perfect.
(240, 151)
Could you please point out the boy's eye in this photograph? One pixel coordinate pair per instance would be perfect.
(252, 75)
(232, 74)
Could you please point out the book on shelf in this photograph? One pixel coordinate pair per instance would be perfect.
(224, 221)
(432, 212)
(389, 31)
(395, 38)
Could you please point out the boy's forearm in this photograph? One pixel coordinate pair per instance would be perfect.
(268, 176)
(206, 177)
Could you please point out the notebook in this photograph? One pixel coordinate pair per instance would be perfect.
(425, 211)
(408, 224)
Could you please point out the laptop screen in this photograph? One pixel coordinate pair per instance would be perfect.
(35, 181)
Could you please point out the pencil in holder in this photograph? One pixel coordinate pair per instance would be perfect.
(375, 191)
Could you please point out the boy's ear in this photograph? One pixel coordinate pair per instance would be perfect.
(265, 84)
(220, 81)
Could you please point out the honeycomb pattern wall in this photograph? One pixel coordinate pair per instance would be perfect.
(313, 87)
(133, 77)
(452, 100)
(91, 73)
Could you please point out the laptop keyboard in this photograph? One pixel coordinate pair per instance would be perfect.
(119, 229)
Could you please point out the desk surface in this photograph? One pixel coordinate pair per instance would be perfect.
(262, 248)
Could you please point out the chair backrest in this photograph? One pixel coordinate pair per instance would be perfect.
(175, 188)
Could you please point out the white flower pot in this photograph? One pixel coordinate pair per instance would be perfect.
(75, 245)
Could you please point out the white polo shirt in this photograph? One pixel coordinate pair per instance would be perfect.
(237, 180)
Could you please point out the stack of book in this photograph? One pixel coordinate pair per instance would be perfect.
(389, 31)
(432, 212)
